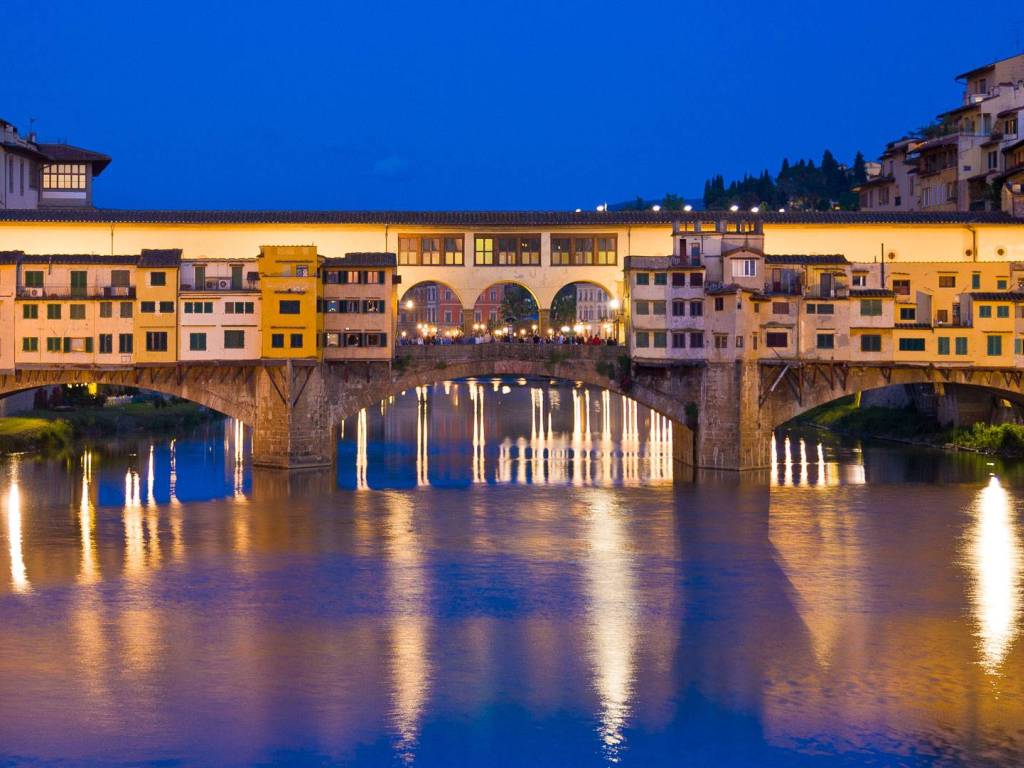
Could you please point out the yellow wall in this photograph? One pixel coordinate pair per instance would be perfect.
(281, 280)
(157, 321)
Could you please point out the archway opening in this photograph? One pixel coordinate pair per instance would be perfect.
(506, 311)
(430, 310)
(587, 309)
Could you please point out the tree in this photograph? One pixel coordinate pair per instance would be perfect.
(517, 304)
(563, 308)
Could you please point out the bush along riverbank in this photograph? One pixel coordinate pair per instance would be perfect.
(907, 425)
(150, 416)
(19, 433)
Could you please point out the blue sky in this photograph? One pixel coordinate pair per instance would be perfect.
(479, 105)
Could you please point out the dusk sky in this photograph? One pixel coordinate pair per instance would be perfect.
(474, 105)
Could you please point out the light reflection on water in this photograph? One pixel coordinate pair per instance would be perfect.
(524, 582)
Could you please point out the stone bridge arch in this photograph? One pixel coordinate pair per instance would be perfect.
(788, 389)
(227, 389)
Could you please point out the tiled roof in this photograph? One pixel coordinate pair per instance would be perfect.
(366, 259)
(20, 257)
(802, 258)
(742, 249)
(590, 219)
(65, 153)
(167, 257)
(870, 293)
(996, 296)
(913, 326)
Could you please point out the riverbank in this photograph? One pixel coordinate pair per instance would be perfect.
(907, 425)
(54, 429)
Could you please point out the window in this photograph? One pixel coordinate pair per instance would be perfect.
(64, 176)
(943, 345)
(643, 339)
(158, 279)
(1002, 311)
(77, 311)
(53, 311)
(678, 341)
(295, 341)
(908, 313)
(30, 344)
(1018, 346)
(167, 306)
(911, 345)
(376, 306)
(826, 309)
(195, 307)
(678, 308)
(1001, 284)
(106, 309)
(197, 342)
(985, 310)
(302, 270)
(248, 307)
(975, 281)
(961, 345)
(780, 307)
(643, 307)
(947, 281)
(719, 304)
(744, 267)
(660, 340)
(288, 307)
(156, 341)
(776, 339)
(125, 343)
(504, 251)
(106, 343)
(53, 344)
(643, 278)
(721, 341)
(697, 340)
(277, 340)
(860, 280)
(901, 287)
(739, 341)
(658, 308)
(661, 278)
(993, 345)
(870, 342)
(826, 341)
(584, 250)
(696, 308)
(30, 311)
(696, 279)
(147, 307)
(870, 307)
(679, 279)
(33, 278)
(431, 250)
(234, 339)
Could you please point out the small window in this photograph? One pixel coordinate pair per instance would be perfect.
(994, 345)
(658, 308)
(911, 345)
(943, 345)
(106, 309)
(908, 313)
(147, 307)
(197, 342)
(860, 280)
(776, 339)
(826, 309)
(870, 342)
(77, 311)
(156, 341)
(30, 344)
(643, 339)
(106, 343)
(696, 279)
(719, 304)
(870, 307)
(961, 345)
(697, 340)
(679, 279)
(660, 340)
(125, 343)
(985, 310)
(158, 278)
(643, 307)
(826, 341)
(295, 341)
(168, 306)
(678, 341)
(643, 278)
(696, 308)
(1001, 284)
(234, 339)
(661, 278)
(947, 281)
(901, 287)
(1003, 311)
(30, 311)
(301, 270)
(975, 281)
(126, 309)
(53, 311)
(721, 341)
(277, 340)
(780, 307)
(288, 307)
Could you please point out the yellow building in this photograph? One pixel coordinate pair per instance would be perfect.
(156, 321)
(291, 296)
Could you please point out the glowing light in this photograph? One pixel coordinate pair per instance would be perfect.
(19, 574)
(687, 207)
(410, 305)
(614, 305)
(734, 208)
(655, 208)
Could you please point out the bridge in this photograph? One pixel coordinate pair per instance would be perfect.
(723, 413)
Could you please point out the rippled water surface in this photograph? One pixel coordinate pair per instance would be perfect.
(510, 573)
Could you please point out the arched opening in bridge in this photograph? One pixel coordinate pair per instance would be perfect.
(586, 307)
(507, 310)
(527, 430)
(430, 309)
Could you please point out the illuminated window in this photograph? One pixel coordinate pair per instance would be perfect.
(507, 251)
(64, 176)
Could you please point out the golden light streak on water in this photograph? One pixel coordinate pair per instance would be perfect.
(612, 596)
(996, 560)
(239, 460)
(134, 535)
(361, 458)
(422, 436)
(88, 571)
(19, 574)
(476, 396)
(409, 631)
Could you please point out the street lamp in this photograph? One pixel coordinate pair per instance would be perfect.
(410, 305)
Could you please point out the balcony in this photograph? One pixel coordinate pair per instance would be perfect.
(76, 292)
(784, 287)
(686, 261)
(827, 291)
(224, 283)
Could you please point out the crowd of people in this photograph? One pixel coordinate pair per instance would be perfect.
(433, 337)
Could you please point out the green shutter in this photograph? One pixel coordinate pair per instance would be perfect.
(67, 343)
(88, 344)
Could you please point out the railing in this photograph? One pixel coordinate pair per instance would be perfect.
(76, 292)
(826, 292)
(221, 284)
(500, 350)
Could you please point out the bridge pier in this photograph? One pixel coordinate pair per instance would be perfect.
(292, 428)
(733, 431)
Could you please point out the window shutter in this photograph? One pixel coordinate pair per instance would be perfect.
(88, 344)
(67, 343)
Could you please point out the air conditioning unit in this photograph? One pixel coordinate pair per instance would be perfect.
(223, 284)
(36, 293)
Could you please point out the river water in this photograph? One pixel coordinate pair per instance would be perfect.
(509, 573)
